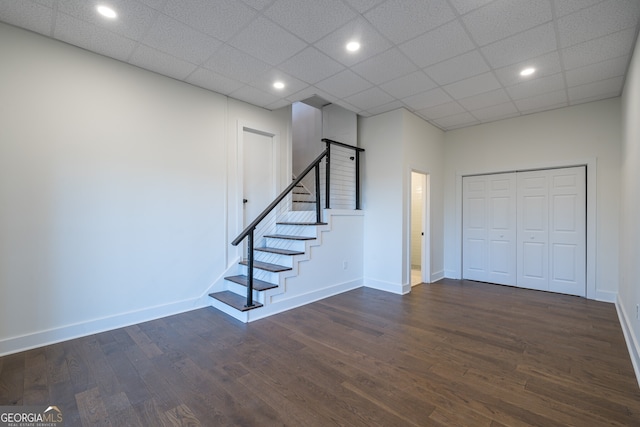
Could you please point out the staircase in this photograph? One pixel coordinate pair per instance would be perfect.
(276, 248)
(275, 261)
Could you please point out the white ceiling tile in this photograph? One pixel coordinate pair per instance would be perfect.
(427, 99)
(177, 39)
(371, 42)
(254, 96)
(93, 38)
(598, 50)
(596, 72)
(214, 81)
(458, 68)
(465, 6)
(472, 86)
(310, 19)
(267, 41)
(531, 43)
(385, 67)
(545, 65)
(369, 99)
(29, 15)
(599, 20)
(496, 112)
(483, 100)
(565, 7)
(265, 82)
(344, 84)
(220, 18)
(597, 90)
(536, 86)
(311, 91)
(311, 65)
(258, 4)
(152, 59)
(442, 110)
(281, 103)
(386, 107)
(363, 5)
(443, 43)
(233, 63)
(456, 121)
(401, 20)
(503, 18)
(408, 85)
(134, 18)
(550, 100)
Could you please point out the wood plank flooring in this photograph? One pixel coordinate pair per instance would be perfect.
(454, 353)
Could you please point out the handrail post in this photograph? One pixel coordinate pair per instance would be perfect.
(357, 180)
(318, 215)
(327, 171)
(250, 267)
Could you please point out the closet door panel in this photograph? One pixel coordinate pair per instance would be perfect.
(474, 228)
(501, 200)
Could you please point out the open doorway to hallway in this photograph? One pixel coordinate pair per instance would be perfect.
(419, 242)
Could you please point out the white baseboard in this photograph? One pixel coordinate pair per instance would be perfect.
(607, 296)
(90, 327)
(438, 275)
(395, 288)
(300, 300)
(632, 344)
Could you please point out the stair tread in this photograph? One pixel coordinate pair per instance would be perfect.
(258, 285)
(234, 300)
(301, 223)
(280, 251)
(274, 268)
(290, 237)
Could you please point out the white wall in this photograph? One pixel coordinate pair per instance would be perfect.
(587, 133)
(629, 292)
(114, 188)
(306, 135)
(396, 143)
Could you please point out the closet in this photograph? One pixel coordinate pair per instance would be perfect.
(526, 229)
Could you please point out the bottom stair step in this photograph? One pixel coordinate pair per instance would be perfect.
(258, 285)
(234, 300)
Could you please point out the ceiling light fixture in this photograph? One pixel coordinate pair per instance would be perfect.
(353, 46)
(527, 71)
(278, 85)
(107, 12)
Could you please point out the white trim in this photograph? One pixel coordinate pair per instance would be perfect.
(395, 288)
(437, 275)
(95, 326)
(632, 345)
(592, 212)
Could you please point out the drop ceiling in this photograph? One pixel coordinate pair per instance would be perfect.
(455, 63)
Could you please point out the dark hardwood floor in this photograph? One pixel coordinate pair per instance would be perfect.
(454, 353)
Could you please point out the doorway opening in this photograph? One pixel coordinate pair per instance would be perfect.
(419, 234)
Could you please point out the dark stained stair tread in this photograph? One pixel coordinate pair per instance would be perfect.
(274, 268)
(280, 251)
(288, 237)
(258, 285)
(301, 223)
(234, 300)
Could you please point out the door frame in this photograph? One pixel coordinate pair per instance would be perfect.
(591, 171)
(243, 127)
(425, 267)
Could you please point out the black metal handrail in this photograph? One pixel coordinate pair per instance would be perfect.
(248, 232)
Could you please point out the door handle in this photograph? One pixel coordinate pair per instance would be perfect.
(244, 200)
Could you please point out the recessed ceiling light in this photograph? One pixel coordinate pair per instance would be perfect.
(278, 85)
(353, 46)
(107, 12)
(527, 71)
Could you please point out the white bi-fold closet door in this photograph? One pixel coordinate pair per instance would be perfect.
(526, 229)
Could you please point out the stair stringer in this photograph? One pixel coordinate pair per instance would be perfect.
(326, 276)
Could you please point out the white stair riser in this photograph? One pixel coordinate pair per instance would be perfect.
(294, 245)
(267, 276)
(242, 291)
(297, 230)
(299, 216)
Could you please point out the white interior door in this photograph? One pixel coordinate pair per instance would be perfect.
(258, 177)
(489, 228)
(567, 231)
